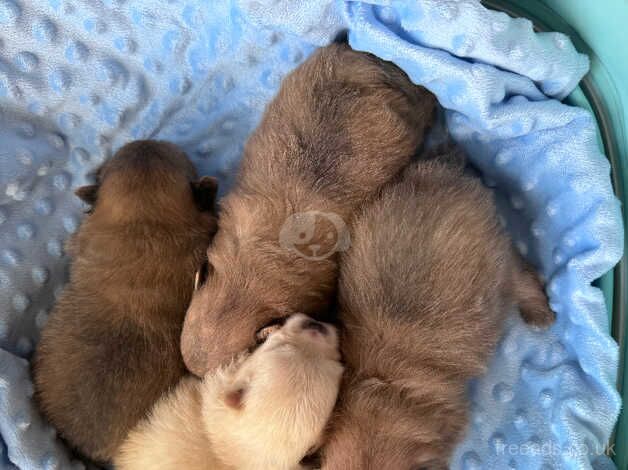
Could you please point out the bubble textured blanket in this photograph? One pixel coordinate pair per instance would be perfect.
(80, 78)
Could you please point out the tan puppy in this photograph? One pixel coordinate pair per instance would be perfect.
(343, 124)
(423, 291)
(111, 346)
(265, 411)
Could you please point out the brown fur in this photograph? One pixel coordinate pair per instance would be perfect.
(343, 124)
(423, 293)
(111, 346)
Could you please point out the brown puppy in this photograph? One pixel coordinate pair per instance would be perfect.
(343, 124)
(423, 291)
(111, 346)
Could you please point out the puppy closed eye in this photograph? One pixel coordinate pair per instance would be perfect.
(202, 274)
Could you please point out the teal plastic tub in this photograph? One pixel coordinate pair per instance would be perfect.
(598, 28)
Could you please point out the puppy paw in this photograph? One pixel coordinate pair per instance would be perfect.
(263, 334)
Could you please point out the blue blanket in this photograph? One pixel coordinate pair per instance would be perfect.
(78, 79)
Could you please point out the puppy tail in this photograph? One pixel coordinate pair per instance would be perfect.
(531, 298)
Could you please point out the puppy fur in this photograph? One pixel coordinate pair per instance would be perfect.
(423, 292)
(343, 124)
(264, 411)
(111, 346)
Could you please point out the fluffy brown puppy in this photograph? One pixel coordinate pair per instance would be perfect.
(423, 292)
(111, 346)
(343, 124)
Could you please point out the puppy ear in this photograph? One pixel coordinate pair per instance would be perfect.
(88, 193)
(204, 193)
(234, 398)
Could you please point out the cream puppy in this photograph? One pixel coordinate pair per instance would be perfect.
(265, 411)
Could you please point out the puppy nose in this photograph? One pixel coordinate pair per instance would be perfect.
(309, 324)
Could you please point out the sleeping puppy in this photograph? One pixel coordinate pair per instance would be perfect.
(423, 292)
(343, 124)
(265, 411)
(111, 346)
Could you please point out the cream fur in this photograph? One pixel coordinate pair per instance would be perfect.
(289, 387)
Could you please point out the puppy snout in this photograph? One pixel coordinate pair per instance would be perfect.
(309, 324)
